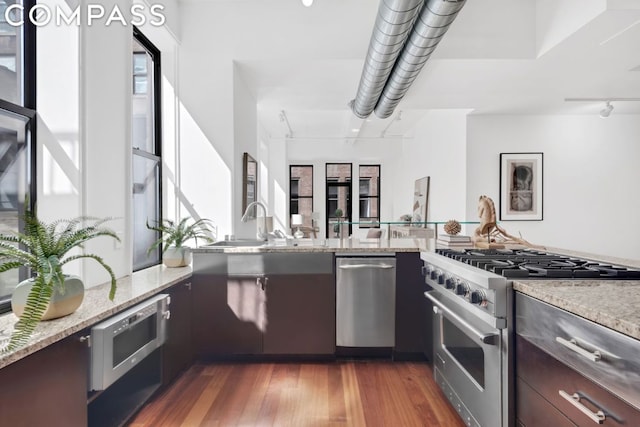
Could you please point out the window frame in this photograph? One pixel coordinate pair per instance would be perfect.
(298, 196)
(369, 198)
(156, 90)
(26, 111)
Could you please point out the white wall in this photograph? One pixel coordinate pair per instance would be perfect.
(591, 203)
(84, 128)
(245, 125)
(438, 150)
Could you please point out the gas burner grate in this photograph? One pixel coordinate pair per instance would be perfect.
(526, 263)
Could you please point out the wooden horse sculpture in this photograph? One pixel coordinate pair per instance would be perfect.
(489, 234)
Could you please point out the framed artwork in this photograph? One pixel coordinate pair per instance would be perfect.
(249, 183)
(420, 201)
(520, 186)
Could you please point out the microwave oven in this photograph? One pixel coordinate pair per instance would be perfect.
(124, 340)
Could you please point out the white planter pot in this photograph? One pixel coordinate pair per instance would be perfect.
(177, 257)
(61, 304)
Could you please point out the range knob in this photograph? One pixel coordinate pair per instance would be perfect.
(462, 289)
(434, 274)
(426, 270)
(441, 278)
(477, 297)
(450, 283)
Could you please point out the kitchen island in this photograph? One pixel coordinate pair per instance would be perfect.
(577, 340)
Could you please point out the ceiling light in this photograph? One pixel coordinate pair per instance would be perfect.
(355, 129)
(606, 111)
(307, 3)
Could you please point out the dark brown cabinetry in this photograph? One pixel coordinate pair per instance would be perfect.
(177, 351)
(413, 320)
(271, 303)
(47, 388)
(567, 372)
(227, 315)
(300, 314)
(544, 377)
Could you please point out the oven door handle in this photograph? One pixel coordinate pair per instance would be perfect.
(484, 337)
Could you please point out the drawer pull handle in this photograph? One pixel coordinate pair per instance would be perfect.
(572, 344)
(574, 399)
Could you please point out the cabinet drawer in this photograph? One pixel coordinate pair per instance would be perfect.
(549, 376)
(532, 410)
(605, 356)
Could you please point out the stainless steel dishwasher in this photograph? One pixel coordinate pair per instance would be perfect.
(365, 301)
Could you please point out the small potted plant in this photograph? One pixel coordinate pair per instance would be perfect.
(174, 235)
(44, 248)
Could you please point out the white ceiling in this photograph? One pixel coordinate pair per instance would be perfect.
(499, 57)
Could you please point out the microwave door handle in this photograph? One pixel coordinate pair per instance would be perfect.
(483, 337)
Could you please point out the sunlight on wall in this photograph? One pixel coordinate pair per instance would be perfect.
(169, 151)
(280, 208)
(58, 170)
(204, 177)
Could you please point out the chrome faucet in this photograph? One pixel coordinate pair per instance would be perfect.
(262, 234)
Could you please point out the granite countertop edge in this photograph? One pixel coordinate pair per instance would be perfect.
(609, 303)
(95, 307)
(327, 245)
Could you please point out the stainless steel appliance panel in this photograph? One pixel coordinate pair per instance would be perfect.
(603, 355)
(365, 301)
(124, 340)
(467, 355)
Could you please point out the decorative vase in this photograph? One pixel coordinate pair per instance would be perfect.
(177, 257)
(62, 302)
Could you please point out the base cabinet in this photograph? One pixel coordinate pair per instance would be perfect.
(413, 320)
(300, 315)
(270, 304)
(47, 388)
(227, 315)
(177, 351)
(542, 377)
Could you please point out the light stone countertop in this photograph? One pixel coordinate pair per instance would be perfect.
(95, 307)
(329, 245)
(611, 303)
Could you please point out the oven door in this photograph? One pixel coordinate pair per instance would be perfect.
(467, 361)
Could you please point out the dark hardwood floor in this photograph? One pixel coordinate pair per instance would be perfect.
(340, 393)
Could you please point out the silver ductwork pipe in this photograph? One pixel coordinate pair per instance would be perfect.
(400, 46)
(430, 27)
(392, 28)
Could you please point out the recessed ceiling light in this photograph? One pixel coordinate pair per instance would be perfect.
(307, 3)
(355, 129)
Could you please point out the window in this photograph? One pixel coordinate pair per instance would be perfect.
(369, 194)
(301, 192)
(140, 77)
(146, 131)
(17, 134)
(17, 56)
(338, 196)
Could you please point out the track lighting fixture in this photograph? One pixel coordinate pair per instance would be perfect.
(606, 111)
(608, 108)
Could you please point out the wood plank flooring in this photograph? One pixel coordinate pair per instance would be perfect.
(340, 393)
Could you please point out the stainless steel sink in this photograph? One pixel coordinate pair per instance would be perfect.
(237, 243)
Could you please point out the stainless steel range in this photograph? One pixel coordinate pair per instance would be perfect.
(473, 321)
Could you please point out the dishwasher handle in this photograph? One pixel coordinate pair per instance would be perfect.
(360, 266)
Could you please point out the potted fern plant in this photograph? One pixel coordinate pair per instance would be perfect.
(44, 248)
(174, 235)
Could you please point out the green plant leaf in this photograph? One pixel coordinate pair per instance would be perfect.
(43, 249)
